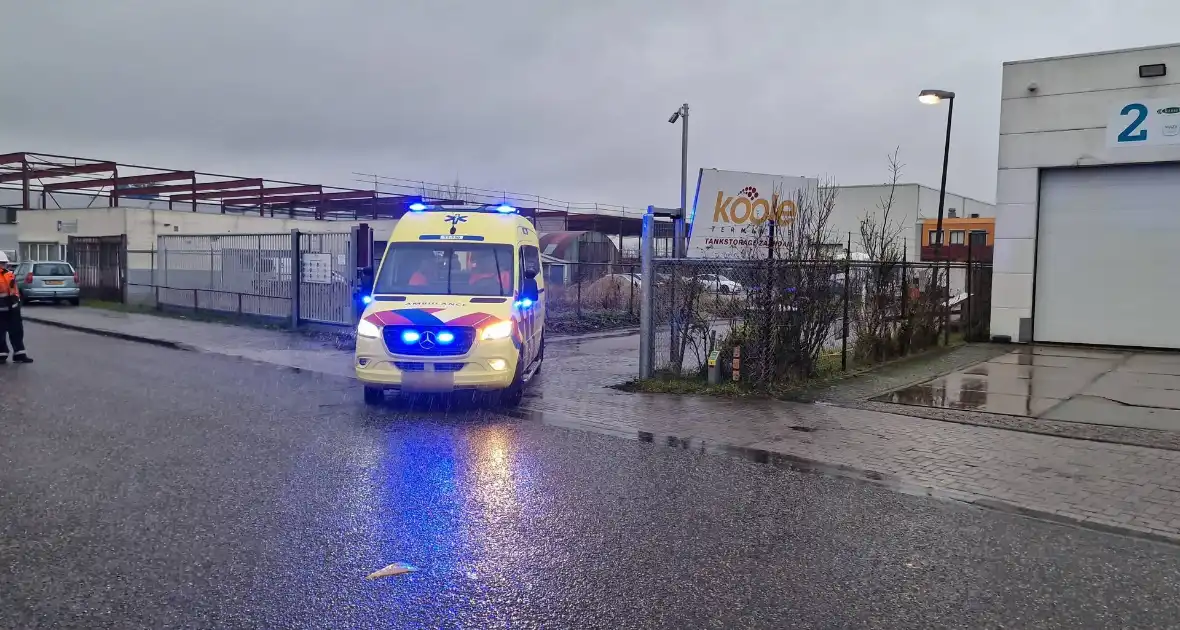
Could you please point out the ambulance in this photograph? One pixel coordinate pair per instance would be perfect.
(458, 304)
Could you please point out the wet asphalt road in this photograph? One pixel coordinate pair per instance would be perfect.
(146, 488)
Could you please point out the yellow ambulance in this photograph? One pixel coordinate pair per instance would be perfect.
(458, 303)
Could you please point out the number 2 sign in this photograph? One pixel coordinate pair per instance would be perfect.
(1153, 122)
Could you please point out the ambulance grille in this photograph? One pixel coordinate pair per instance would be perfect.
(427, 344)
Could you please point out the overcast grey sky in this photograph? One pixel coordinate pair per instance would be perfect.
(560, 98)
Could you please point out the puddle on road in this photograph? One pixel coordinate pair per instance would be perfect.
(1060, 384)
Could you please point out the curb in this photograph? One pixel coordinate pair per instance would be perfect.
(591, 336)
(897, 484)
(163, 343)
(803, 464)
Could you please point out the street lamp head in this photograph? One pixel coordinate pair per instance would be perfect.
(675, 117)
(934, 97)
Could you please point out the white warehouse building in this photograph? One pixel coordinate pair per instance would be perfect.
(714, 231)
(911, 204)
(1087, 243)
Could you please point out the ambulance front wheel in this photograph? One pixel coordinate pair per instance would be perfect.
(374, 395)
(512, 396)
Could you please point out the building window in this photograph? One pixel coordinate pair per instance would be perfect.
(933, 238)
(957, 237)
(978, 237)
(42, 251)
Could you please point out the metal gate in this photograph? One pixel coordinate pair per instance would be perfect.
(325, 288)
(101, 264)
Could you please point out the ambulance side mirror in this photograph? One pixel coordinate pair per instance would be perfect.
(529, 289)
(530, 274)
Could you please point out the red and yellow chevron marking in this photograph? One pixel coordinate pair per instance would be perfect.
(459, 316)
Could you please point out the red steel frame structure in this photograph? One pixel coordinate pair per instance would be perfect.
(44, 174)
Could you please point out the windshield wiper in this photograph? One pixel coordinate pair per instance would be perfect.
(450, 269)
(499, 280)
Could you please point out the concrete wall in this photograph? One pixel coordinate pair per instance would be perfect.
(1060, 124)
(143, 225)
(9, 238)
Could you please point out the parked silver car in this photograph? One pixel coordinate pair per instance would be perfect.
(47, 281)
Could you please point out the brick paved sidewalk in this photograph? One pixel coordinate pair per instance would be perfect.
(1105, 486)
(1133, 489)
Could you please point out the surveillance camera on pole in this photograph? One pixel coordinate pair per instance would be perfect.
(680, 240)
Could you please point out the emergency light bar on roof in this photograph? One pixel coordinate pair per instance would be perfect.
(502, 208)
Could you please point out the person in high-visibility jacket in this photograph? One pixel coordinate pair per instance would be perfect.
(11, 324)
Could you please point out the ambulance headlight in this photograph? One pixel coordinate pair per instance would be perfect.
(368, 329)
(498, 330)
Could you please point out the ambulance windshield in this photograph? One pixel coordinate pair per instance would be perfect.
(478, 269)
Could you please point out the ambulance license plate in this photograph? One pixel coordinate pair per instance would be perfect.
(428, 382)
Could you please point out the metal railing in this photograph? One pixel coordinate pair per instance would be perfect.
(295, 277)
(250, 276)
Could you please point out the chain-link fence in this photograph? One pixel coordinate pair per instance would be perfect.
(586, 296)
(801, 318)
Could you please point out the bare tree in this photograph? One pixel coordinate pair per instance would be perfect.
(895, 310)
(791, 308)
(879, 282)
(879, 233)
(454, 191)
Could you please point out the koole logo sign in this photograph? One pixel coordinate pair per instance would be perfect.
(742, 202)
(748, 206)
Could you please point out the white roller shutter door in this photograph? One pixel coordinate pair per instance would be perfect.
(1108, 256)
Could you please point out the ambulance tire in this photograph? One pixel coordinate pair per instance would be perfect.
(512, 396)
(374, 395)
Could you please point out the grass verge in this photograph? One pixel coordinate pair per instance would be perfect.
(830, 372)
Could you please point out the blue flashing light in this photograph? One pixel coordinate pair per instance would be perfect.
(445, 337)
(505, 209)
(524, 303)
(417, 206)
(410, 336)
(368, 299)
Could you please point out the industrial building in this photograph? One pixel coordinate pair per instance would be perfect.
(185, 238)
(727, 202)
(912, 203)
(1088, 193)
(55, 196)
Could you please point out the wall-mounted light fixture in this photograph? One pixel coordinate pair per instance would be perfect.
(1151, 71)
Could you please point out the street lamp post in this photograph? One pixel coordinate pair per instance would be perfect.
(679, 237)
(934, 97)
